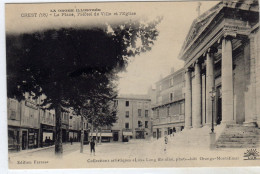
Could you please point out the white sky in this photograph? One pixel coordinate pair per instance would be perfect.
(146, 69)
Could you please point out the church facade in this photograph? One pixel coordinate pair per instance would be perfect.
(222, 66)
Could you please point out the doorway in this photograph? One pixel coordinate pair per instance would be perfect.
(115, 136)
(219, 105)
(139, 134)
(24, 140)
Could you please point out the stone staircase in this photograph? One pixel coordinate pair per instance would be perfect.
(195, 137)
(239, 136)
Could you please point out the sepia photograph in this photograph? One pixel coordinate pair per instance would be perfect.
(163, 84)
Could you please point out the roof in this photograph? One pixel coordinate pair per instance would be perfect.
(201, 23)
(133, 97)
(171, 75)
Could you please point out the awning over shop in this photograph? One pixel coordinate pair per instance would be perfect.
(104, 134)
(128, 133)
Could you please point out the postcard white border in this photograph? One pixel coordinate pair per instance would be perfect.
(3, 122)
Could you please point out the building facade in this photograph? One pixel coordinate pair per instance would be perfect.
(74, 128)
(76, 122)
(134, 118)
(221, 54)
(47, 127)
(65, 125)
(102, 134)
(14, 124)
(29, 126)
(168, 107)
(23, 124)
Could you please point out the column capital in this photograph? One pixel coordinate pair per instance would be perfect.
(189, 69)
(198, 62)
(229, 35)
(212, 50)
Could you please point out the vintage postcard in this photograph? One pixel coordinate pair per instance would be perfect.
(133, 84)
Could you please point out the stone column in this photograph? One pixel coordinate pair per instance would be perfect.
(227, 82)
(203, 95)
(188, 123)
(257, 69)
(196, 118)
(250, 95)
(210, 83)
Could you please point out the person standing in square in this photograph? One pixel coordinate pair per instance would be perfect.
(92, 147)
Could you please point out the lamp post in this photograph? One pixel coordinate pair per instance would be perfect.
(82, 132)
(212, 134)
(213, 93)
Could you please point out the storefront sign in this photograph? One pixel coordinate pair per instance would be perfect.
(103, 134)
(47, 127)
(128, 133)
(31, 105)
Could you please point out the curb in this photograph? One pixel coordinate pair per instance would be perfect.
(13, 154)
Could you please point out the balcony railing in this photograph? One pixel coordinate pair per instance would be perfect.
(167, 120)
(168, 101)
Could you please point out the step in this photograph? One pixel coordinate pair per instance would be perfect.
(230, 142)
(240, 136)
(239, 141)
(243, 131)
(234, 146)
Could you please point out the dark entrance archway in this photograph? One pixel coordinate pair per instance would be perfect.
(218, 105)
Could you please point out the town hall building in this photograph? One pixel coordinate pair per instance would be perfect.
(221, 54)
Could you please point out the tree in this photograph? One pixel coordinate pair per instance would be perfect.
(67, 63)
(97, 109)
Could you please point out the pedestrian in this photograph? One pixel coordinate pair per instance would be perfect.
(71, 140)
(46, 141)
(166, 139)
(165, 142)
(49, 141)
(92, 147)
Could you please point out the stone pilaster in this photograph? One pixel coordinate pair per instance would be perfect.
(196, 102)
(210, 83)
(188, 116)
(257, 68)
(203, 95)
(227, 82)
(250, 100)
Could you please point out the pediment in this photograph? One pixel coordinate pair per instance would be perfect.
(201, 23)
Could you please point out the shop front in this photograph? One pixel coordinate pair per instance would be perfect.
(115, 135)
(74, 135)
(13, 139)
(139, 133)
(105, 136)
(65, 133)
(47, 135)
(127, 135)
(86, 135)
(157, 132)
(33, 138)
(24, 135)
